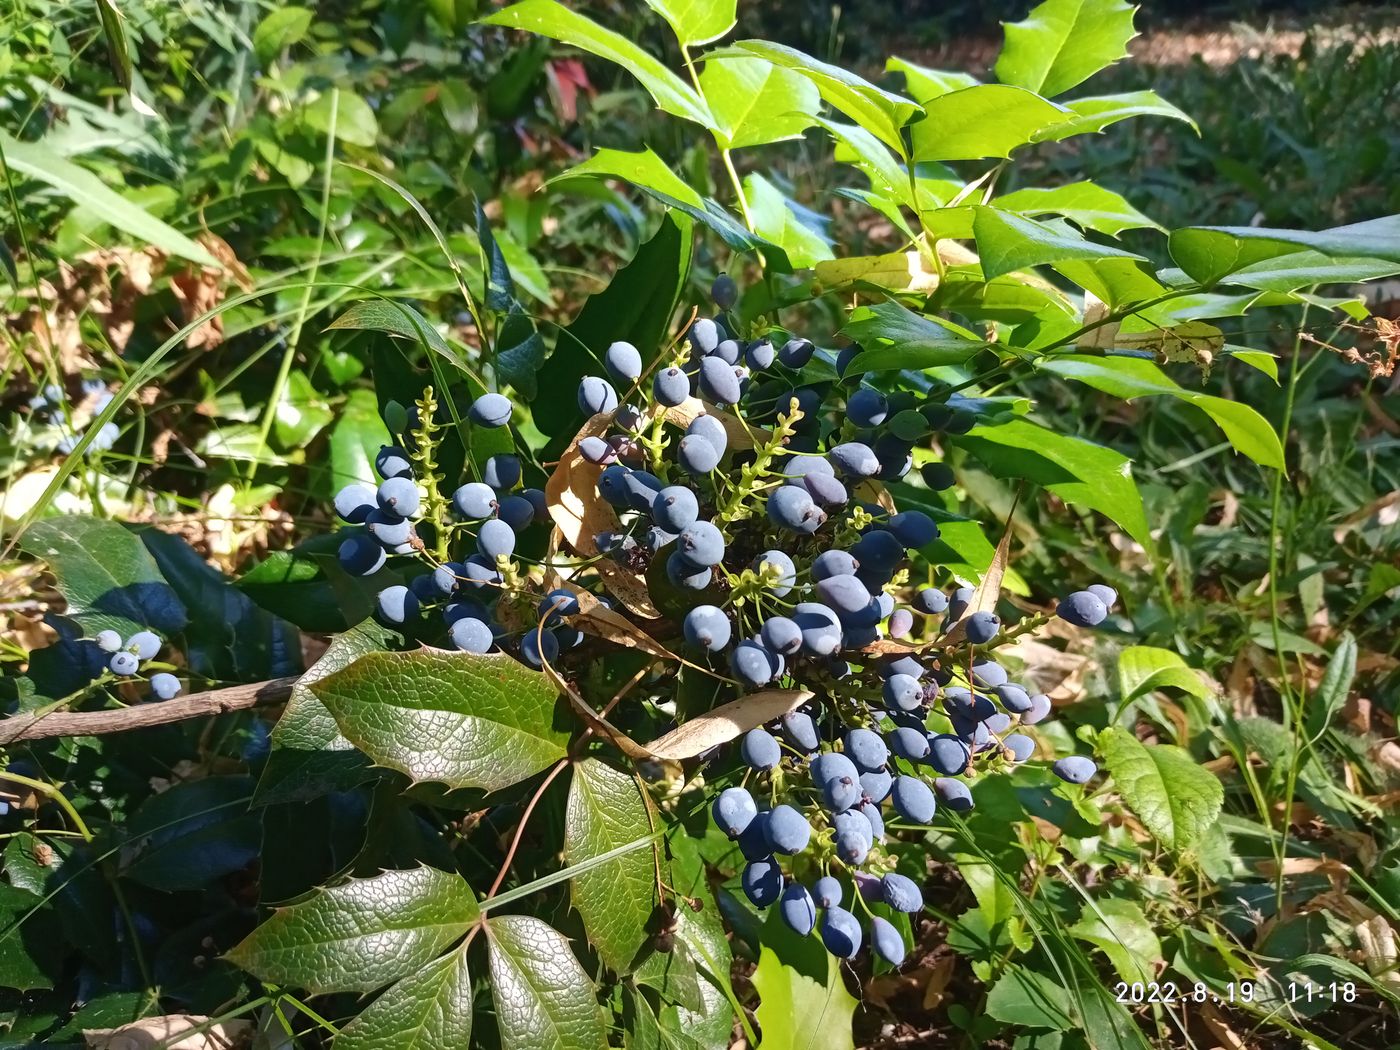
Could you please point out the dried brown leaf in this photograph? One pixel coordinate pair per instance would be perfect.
(725, 723)
(593, 719)
(172, 1032)
(580, 514)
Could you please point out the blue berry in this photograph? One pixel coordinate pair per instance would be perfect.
(887, 942)
(1039, 710)
(704, 335)
(354, 502)
(792, 508)
(696, 455)
(961, 599)
(733, 811)
(165, 686)
(876, 786)
(997, 723)
(796, 353)
(471, 635)
(490, 410)
(948, 754)
(913, 800)
(826, 491)
(954, 794)
(724, 292)
(642, 488)
(866, 750)
(937, 476)
(538, 648)
(389, 529)
(845, 357)
(516, 512)
(1020, 746)
(988, 674)
(424, 587)
(1104, 593)
(360, 555)
(701, 543)
(901, 623)
(399, 496)
(832, 563)
(675, 507)
(475, 500)
(854, 459)
(878, 549)
(495, 539)
(109, 641)
(843, 593)
(671, 387)
(841, 792)
(393, 462)
(1013, 698)
(871, 812)
(867, 407)
(841, 932)
(901, 893)
(931, 600)
(501, 471)
(681, 571)
(707, 627)
(781, 635)
(1083, 609)
(595, 395)
(854, 836)
(909, 744)
(123, 663)
(783, 573)
(800, 731)
(711, 429)
(830, 764)
(827, 891)
(718, 381)
(754, 665)
(787, 830)
(1075, 769)
(913, 528)
(145, 644)
(596, 450)
(396, 605)
(762, 882)
(760, 750)
(538, 503)
(623, 362)
(798, 909)
(759, 355)
(982, 627)
(821, 628)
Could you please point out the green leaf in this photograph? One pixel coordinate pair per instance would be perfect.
(1118, 282)
(281, 29)
(855, 145)
(362, 934)
(1210, 253)
(653, 176)
(775, 221)
(896, 338)
(230, 638)
(923, 84)
(1176, 800)
(427, 1010)
(1260, 359)
(31, 945)
(402, 321)
(1130, 377)
(1007, 243)
(106, 575)
(36, 161)
(1122, 931)
(356, 439)
(355, 122)
(702, 935)
(1076, 470)
(301, 414)
(1063, 43)
(755, 102)
(1143, 668)
(1089, 115)
(454, 718)
(543, 998)
(1022, 996)
(520, 353)
(803, 1001)
(616, 900)
(1288, 273)
(552, 19)
(309, 756)
(636, 306)
(986, 120)
(1085, 204)
(191, 834)
(1331, 693)
(697, 21)
(880, 112)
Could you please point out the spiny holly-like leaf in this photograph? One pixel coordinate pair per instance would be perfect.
(361, 935)
(1098, 112)
(544, 1000)
(106, 575)
(1176, 800)
(454, 718)
(606, 810)
(1008, 242)
(696, 21)
(986, 120)
(1064, 42)
(755, 102)
(427, 1010)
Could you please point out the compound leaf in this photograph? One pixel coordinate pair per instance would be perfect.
(544, 1000)
(425, 1011)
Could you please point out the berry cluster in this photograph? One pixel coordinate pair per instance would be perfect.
(127, 657)
(48, 407)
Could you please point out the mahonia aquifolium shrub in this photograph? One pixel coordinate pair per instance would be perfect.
(765, 517)
(107, 657)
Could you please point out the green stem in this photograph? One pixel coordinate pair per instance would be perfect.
(54, 793)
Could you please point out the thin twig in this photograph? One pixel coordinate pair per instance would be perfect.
(18, 728)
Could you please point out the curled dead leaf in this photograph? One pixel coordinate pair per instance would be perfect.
(581, 514)
(172, 1032)
(597, 619)
(726, 722)
(594, 720)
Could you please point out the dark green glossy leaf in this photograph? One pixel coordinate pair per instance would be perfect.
(400, 320)
(192, 833)
(500, 288)
(362, 934)
(1209, 253)
(544, 1000)
(453, 718)
(606, 810)
(309, 756)
(1021, 996)
(775, 220)
(106, 575)
(894, 338)
(428, 1010)
(356, 439)
(520, 353)
(31, 948)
